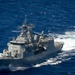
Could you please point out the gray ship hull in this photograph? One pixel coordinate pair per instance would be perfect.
(31, 59)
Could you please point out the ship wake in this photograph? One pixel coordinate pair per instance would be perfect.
(13, 68)
(68, 52)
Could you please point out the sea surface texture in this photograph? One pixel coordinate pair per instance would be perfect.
(55, 16)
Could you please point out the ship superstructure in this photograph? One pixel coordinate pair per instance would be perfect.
(29, 47)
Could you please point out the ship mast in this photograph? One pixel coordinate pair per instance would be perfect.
(23, 27)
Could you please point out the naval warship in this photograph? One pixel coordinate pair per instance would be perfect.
(29, 47)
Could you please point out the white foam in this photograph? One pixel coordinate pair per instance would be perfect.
(16, 68)
(69, 40)
(0, 55)
(56, 60)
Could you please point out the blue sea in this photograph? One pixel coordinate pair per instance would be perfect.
(56, 16)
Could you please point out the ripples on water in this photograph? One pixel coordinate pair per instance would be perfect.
(55, 15)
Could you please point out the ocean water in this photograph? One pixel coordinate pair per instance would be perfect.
(56, 16)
